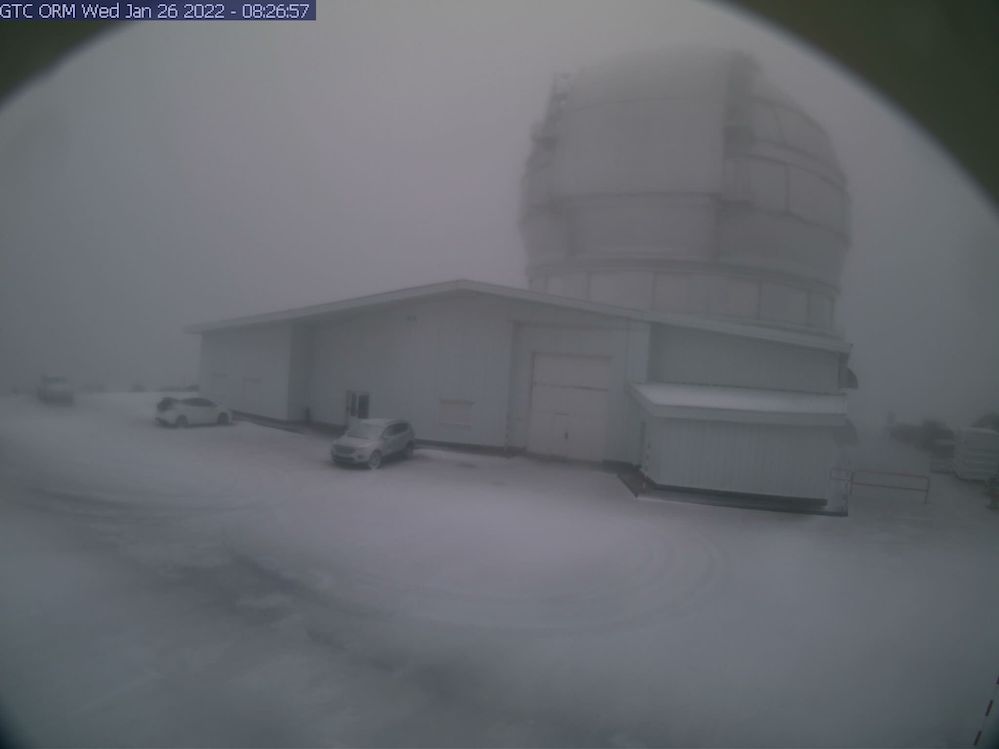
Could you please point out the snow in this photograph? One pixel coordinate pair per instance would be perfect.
(228, 586)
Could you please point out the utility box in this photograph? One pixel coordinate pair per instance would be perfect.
(976, 455)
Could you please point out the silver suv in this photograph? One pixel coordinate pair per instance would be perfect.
(369, 441)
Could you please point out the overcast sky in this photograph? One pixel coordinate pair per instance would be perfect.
(176, 172)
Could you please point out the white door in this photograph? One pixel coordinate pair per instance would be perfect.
(568, 415)
(250, 397)
(219, 386)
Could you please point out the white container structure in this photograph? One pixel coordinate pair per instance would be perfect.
(976, 454)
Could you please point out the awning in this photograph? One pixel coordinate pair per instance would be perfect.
(748, 405)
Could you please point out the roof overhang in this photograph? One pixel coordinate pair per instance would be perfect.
(315, 313)
(743, 405)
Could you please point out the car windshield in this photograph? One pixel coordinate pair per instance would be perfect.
(165, 403)
(365, 431)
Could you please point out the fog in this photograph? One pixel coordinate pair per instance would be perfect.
(177, 173)
(243, 585)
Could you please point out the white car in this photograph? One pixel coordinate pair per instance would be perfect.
(183, 412)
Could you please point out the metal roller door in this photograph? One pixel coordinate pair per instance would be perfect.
(568, 416)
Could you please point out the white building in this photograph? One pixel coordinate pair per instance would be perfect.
(685, 226)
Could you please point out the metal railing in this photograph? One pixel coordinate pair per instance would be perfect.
(906, 482)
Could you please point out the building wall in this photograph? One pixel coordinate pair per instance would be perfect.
(746, 458)
(460, 368)
(248, 369)
(748, 290)
(444, 365)
(697, 357)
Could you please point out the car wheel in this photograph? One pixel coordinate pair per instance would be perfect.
(181, 422)
(375, 461)
(408, 452)
(223, 420)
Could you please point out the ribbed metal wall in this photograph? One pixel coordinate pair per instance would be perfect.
(745, 458)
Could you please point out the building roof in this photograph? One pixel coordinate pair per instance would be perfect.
(712, 403)
(714, 325)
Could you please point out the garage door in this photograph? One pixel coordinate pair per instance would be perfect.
(569, 406)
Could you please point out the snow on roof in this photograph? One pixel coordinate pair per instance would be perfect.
(726, 327)
(740, 404)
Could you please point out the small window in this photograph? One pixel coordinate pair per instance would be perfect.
(456, 413)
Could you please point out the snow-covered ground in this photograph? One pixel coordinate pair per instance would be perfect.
(227, 586)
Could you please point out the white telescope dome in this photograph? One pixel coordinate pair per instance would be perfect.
(682, 181)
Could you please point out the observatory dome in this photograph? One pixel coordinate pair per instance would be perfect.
(684, 182)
